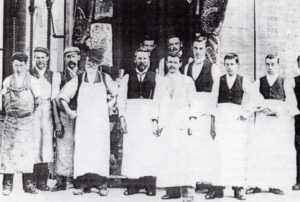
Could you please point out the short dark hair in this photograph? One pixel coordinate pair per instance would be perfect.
(20, 56)
(230, 56)
(200, 38)
(272, 56)
(173, 55)
(148, 37)
(298, 59)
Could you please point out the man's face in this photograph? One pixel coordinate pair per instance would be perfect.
(71, 60)
(91, 66)
(174, 45)
(41, 60)
(231, 66)
(148, 45)
(173, 64)
(142, 60)
(272, 66)
(19, 67)
(199, 49)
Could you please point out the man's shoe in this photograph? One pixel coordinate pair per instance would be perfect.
(28, 183)
(149, 183)
(43, 187)
(203, 187)
(296, 187)
(61, 184)
(238, 193)
(276, 191)
(172, 193)
(215, 192)
(253, 190)
(8, 180)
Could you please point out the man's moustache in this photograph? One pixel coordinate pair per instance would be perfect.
(71, 63)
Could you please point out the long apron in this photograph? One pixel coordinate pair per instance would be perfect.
(18, 148)
(231, 137)
(204, 154)
(272, 155)
(140, 151)
(174, 143)
(65, 146)
(44, 123)
(92, 134)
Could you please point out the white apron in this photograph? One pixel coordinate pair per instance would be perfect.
(140, 151)
(43, 123)
(174, 142)
(231, 137)
(204, 151)
(92, 135)
(271, 153)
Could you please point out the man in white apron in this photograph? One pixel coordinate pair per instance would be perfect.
(135, 102)
(49, 88)
(173, 96)
(271, 154)
(234, 94)
(18, 153)
(204, 150)
(92, 131)
(64, 125)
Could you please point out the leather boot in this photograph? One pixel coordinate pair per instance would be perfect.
(61, 184)
(29, 183)
(133, 186)
(215, 192)
(150, 185)
(41, 173)
(172, 192)
(103, 191)
(8, 180)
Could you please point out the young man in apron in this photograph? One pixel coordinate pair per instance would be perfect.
(234, 94)
(49, 88)
(204, 150)
(173, 97)
(18, 152)
(135, 102)
(271, 151)
(64, 125)
(92, 130)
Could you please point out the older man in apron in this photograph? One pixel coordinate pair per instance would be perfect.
(49, 88)
(64, 125)
(18, 153)
(92, 131)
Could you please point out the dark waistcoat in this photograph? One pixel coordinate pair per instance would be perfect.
(137, 89)
(276, 91)
(233, 95)
(297, 90)
(204, 81)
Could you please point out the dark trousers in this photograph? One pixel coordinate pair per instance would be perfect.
(297, 144)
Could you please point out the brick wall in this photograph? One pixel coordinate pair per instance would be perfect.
(277, 31)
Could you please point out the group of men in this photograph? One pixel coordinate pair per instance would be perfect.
(182, 122)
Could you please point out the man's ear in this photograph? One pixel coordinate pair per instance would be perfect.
(47, 58)
(79, 57)
(181, 44)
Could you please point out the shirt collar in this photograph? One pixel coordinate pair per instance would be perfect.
(141, 73)
(41, 72)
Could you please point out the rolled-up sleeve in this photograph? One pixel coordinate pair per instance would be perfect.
(69, 90)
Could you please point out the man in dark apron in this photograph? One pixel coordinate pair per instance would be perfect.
(64, 126)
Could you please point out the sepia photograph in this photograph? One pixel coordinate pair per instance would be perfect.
(149, 100)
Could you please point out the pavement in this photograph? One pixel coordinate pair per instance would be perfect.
(116, 195)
